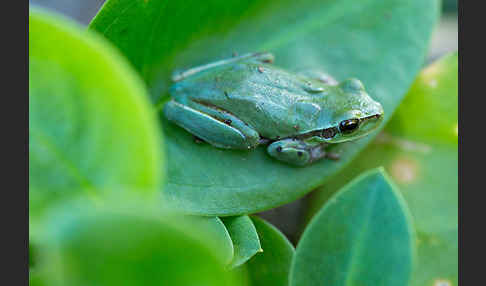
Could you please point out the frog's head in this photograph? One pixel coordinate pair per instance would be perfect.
(355, 115)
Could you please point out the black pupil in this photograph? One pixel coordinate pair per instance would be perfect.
(349, 125)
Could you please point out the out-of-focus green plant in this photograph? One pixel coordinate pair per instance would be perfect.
(129, 242)
(450, 6)
(104, 211)
(362, 236)
(91, 128)
(93, 134)
(419, 150)
(272, 265)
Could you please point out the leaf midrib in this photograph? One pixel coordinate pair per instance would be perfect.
(356, 250)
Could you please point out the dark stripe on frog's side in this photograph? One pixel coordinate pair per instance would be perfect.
(263, 140)
(295, 134)
(329, 132)
(216, 108)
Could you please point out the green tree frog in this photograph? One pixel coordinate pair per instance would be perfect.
(245, 101)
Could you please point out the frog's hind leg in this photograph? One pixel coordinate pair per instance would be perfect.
(228, 132)
(319, 75)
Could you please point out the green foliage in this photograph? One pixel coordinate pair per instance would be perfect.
(244, 237)
(362, 236)
(450, 6)
(119, 196)
(383, 43)
(131, 244)
(419, 149)
(91, 128)
(272, 265)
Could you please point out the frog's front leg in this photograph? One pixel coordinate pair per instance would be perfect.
(319, 75)
(299, 152)
(213, 126)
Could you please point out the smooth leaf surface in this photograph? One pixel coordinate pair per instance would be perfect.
(123, 243)
(244, 237)
(362, 236)
(383, 43)
(272, 266)
(91, 126)
(35, 279)
(418, 148)
(222, 239)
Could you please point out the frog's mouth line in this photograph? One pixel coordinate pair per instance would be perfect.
(326, 133)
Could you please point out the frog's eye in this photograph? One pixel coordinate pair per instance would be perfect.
(348, 126)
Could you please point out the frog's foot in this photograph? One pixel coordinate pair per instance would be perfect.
(319, 75)
(216, 127)
(297, 152)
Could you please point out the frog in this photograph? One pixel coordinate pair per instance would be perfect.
(246, 101)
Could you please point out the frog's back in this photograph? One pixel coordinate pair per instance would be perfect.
(260, 94)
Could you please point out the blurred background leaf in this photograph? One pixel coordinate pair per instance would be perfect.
(450, 6)
(91, 127)
(382, 43)
(127, 242)
(272, 265)
(361, 236)
(418, 148)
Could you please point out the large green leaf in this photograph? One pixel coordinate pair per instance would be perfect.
(244, 237)
(419, 149)
(381, 42)
(362, 236)
(272, 266)
(91, 126)
(123, 243)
